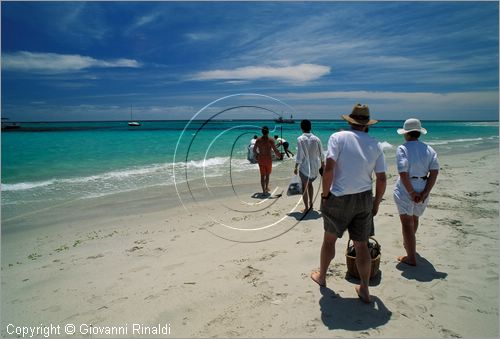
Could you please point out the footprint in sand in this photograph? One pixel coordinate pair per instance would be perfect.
(135, 248)
(449, 333)
(311, 325)
(53, 308)
(139, 268)
(450, 222)
(94, 299)
(465, 298)
(279, 298)
(100, 255)
(302, 241)
(269, 256)
(117, 300)
(250, 274)
(151, 297)
(240, 261)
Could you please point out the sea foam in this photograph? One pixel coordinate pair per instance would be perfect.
(385, 145)
(446, 142)
(159, 173)
(25, 185)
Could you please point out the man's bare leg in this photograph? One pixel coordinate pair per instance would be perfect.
(305, 195)
(409, 230)
(326, 257)
(263, 183)
(363, 264)
(267, 183)
(310, 191)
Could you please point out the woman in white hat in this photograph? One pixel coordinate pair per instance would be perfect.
(418, 169)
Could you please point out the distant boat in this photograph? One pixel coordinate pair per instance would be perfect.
(280, 120)
(133, 123)
(9, 125)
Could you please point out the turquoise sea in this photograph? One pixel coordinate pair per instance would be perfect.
(47, 163)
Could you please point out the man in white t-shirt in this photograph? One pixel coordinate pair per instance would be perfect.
(307, 162)
(347, 198)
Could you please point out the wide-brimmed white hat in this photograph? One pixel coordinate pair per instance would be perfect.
(412, 125)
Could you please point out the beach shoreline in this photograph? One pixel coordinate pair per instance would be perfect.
(141, 257)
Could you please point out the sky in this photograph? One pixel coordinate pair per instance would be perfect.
(87, 61)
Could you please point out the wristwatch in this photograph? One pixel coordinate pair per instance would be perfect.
(327, 196)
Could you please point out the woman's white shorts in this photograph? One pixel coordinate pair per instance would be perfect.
(406, 205)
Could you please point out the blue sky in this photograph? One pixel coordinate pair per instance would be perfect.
(92, 60)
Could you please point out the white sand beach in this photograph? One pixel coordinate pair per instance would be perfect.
(142, 258)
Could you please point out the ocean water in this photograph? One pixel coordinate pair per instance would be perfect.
(48, 163)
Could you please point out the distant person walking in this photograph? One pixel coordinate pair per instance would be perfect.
(308, 162)
(347, 198)
(418, 169)
(250, 153)
(285, 144)
(262, 152)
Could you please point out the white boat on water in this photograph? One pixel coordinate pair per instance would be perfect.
(280, 120)
(133, 123)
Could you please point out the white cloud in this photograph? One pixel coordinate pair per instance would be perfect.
(58, 63)
(397, 105)
(368, 53)
(145, 20)
(452, 98)
(298, 73)
(200, 36)
(236, 82)
(96, 112)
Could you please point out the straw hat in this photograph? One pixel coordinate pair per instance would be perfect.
(412, 125)
(360, 116)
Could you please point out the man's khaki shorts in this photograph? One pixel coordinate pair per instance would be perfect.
(352, 212)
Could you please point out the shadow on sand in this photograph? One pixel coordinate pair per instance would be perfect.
(351, 314)
(374, 281)
(424, 271)
(260, 195)
(310, 215)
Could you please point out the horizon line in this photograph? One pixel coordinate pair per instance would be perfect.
(297, 120)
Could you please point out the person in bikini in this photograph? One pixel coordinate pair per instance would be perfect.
(262, 152)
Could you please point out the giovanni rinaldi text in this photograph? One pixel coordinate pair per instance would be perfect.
(52, 330)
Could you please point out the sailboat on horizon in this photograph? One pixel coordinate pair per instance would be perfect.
(280, 120)
(133, 123)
